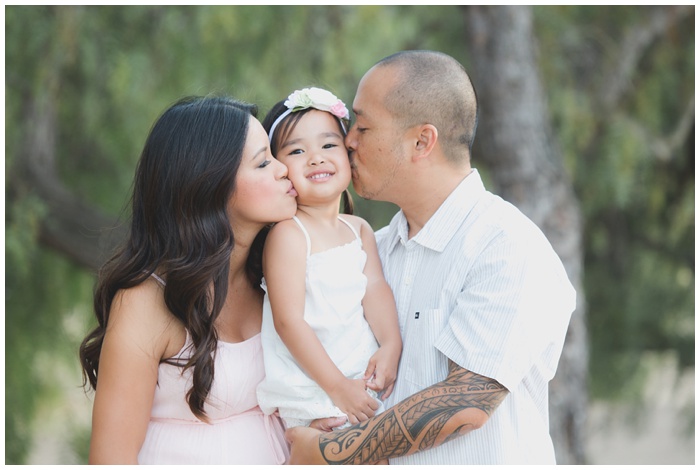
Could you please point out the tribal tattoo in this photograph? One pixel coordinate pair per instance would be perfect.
(422, 421)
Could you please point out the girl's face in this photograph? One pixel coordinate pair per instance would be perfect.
(315, 154)
(262, 194)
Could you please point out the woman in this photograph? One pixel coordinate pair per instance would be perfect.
(179, 305)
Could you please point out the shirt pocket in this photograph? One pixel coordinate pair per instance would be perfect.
(424, 364)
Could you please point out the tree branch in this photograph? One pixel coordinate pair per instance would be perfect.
(81, 232)
(618, 79)
(663, 147)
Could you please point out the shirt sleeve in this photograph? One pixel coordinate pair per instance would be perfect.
(513, 311)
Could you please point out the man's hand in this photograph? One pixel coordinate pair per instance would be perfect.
(304, 448)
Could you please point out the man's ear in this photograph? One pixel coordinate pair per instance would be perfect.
(426, 139)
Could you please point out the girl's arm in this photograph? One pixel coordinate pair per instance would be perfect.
(137, 337)
(380, 311)
(284, 265)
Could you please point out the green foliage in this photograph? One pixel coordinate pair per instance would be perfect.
(46, 304)
(638, 206)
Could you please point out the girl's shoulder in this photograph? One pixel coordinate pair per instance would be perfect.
(285, 237)
(288, 230)
(361, 225)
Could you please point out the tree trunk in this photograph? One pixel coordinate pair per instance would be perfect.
(516, 143)
(82, 233)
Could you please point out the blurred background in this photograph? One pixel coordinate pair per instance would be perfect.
(587, 124)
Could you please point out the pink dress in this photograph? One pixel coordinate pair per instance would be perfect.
(239, 432)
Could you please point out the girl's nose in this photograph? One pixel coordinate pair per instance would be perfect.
(316, 159)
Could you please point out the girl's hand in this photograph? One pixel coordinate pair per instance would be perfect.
(327, 424)
(382, 369)
(352, 398)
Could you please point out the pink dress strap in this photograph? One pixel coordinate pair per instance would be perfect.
(158, 278)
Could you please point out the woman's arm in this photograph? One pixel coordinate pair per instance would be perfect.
(284, 265)
(461, 403)
(139, 333)
(380, 311)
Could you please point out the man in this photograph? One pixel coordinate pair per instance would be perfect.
(484, 302)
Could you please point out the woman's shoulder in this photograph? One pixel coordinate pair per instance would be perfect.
(144, 296)
(140, 313)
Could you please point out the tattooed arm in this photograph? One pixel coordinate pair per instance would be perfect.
(461, 403)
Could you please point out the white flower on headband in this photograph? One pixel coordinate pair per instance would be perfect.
(317, 98)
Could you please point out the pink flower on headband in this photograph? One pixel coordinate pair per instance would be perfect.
(339, 110)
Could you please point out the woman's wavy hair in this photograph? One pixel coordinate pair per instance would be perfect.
(180, 227)
(285, 127)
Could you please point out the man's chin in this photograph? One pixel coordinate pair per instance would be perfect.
(360, 190)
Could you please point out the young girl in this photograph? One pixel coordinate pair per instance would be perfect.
(330, 331)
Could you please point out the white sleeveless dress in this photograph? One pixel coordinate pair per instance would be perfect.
(335, 287)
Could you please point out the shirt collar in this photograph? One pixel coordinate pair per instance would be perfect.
(443, 224)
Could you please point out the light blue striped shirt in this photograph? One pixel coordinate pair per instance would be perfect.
(482, 286)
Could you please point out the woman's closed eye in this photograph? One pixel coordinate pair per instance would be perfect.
(264, 163)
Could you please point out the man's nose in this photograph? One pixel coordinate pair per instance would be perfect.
(350, 141)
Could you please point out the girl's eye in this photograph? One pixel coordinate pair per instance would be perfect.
(329, 146)
(296, 152)
(265, 163)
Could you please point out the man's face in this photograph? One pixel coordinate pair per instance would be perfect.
(375, 141)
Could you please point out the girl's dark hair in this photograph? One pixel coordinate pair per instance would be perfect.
(179, 226)
(286, 126)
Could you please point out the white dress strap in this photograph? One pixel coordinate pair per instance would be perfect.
(306, 235)
(357, 235)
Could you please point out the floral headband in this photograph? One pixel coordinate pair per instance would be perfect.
(316, 98)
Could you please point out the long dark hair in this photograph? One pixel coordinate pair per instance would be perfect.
(180, 227)
(285, 127)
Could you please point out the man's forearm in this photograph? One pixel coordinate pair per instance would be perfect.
(427, 419)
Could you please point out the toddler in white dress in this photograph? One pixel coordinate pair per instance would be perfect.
(330, 332)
